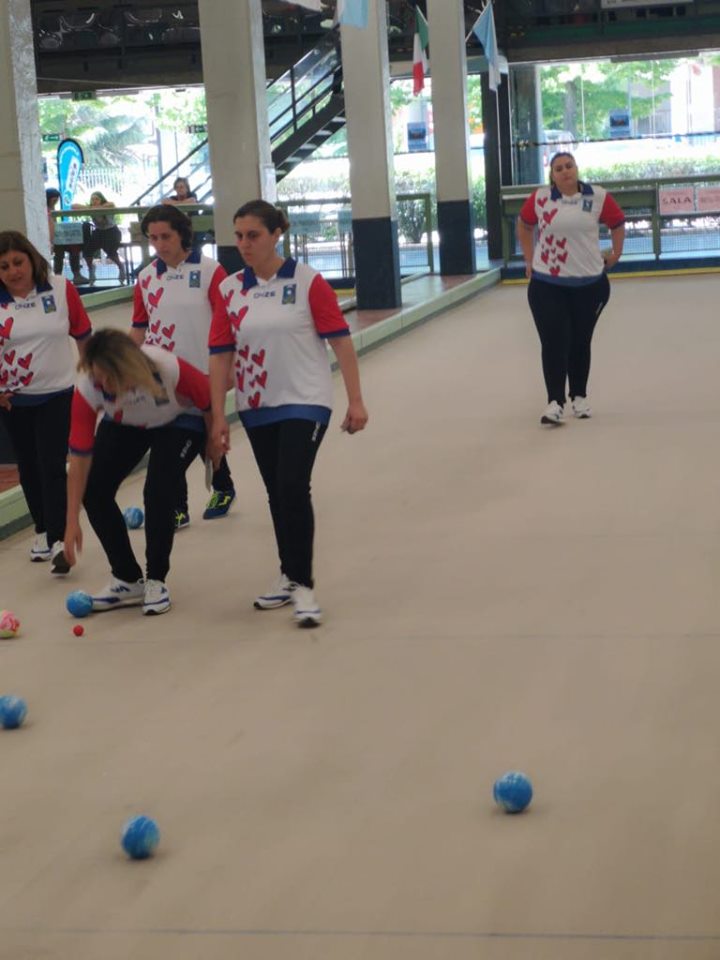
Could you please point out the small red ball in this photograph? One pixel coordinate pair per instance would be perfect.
(78, 629)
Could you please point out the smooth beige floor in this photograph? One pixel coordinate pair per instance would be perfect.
(498, 595)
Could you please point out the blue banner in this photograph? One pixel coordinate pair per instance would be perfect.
(69, 161)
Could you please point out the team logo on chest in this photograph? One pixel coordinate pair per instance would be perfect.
(49, 305)
(289, 293)
(194, 278)
(587, 206)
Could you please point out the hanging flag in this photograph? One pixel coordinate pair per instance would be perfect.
(310, 4)
(352, 13)
(420, 45)
(484, 30)
(70, 160)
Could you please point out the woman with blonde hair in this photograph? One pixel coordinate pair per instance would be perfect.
(104, 235)
(146, 395)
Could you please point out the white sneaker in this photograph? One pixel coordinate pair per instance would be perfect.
(581, 408)
(157, 597)
(278, 595)
(553, 414)
(60, 566)
(119, 593)
(40, 550)
(307, 612)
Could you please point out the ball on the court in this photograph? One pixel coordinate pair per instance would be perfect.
(9, 625)
(78, 630)
(513, 792)
(79, 603)
(13, 711)
(134, 518)
(140, 836)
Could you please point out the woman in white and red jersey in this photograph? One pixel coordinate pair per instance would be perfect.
(173, 305)
(39, 314)
(144, 393)
(568, 286)
(272, 327)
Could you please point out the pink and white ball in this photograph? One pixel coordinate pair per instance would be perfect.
(9, 625)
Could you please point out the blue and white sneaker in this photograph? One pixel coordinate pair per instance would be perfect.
(553, 414)
(119, 593)
(279, 594)
(307, 612)
(40, 549)
(218, 504)
(157, 597)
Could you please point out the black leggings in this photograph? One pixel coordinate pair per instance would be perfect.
(221, 480)
(285, 454)
(39, 435)
(118, 449)
(565, 318)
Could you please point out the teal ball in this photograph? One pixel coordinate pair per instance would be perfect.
(79, 603)
(134, 518)
(513, 792)
(140, 836)
(13, 711)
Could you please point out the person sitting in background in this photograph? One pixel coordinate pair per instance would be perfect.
(183, 193)
(105, 235)
(52, 197)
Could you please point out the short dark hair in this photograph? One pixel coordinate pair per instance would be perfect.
(14, 240)
(274, 218)
(176, 219)
(51, 194)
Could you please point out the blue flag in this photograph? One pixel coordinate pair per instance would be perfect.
(352, 13)
(69, 161)
(484, 30)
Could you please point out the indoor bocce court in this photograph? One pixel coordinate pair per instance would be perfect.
(498, 596)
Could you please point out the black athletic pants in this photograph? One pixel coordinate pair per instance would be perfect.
(118, 449)
(39, 435)
(565, 318)
(221, 480)
(285, 454)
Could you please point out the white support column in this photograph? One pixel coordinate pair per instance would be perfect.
(233, 54)
(22, 193)
(448, 66)
(366, 71)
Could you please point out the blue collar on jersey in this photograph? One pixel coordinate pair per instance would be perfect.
(286, 272)
(193, 257)
(6, 297)
(585, 189)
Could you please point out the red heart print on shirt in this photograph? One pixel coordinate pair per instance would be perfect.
(228, 297)
(155, 298)
(10, 357)
(254, 400)
(259, 357)
(562, 257)
(550, 237)
(237, 318)
(544, 256)
(549, 217)
(154, 327)
(170, 345)
(168, 331)
(542, 201)
(25, 361)
(260, 380)
(6, 327)
(561, 243)
(25, 381)
(240, 380)
(554, 271)
(245, 351)
(117, 416)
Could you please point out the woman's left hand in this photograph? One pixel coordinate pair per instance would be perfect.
(6, 400)
(610, 258)
(355, 418)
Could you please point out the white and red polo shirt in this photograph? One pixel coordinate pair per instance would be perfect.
(174, 305)
(278, 329)
(567, 251)
(37, 361)
(183, 386)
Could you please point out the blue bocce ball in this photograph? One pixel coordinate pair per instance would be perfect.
(513, 792)
(79, 603)
(140, 837)
(134, 518)
(13, 711)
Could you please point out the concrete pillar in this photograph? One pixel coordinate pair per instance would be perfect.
(372, 184)
(456, 226)
(22, 190)
(233, 54)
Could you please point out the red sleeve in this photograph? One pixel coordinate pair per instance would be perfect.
(80, 325)
(82, 425)
(221, 335)
(139, 316)
(325, 309)
(527, 211)
(193, 384)
(214, 295)
(611, 215)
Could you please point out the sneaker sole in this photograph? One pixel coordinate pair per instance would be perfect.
(551, 423)
(155, 612)
(307, 622)
(272, 604)
(60, 566)
(38, 558)
(582, 416)
(117, 605)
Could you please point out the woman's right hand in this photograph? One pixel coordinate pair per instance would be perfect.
(73, 541)
(219, 440)
(528, 271)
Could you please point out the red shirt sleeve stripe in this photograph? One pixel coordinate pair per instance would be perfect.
(82, 425)
(193, 384)
(527, 211)
(80, 325)
(325, 309)
(139, 316)
(214, 295)
(611, 214)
